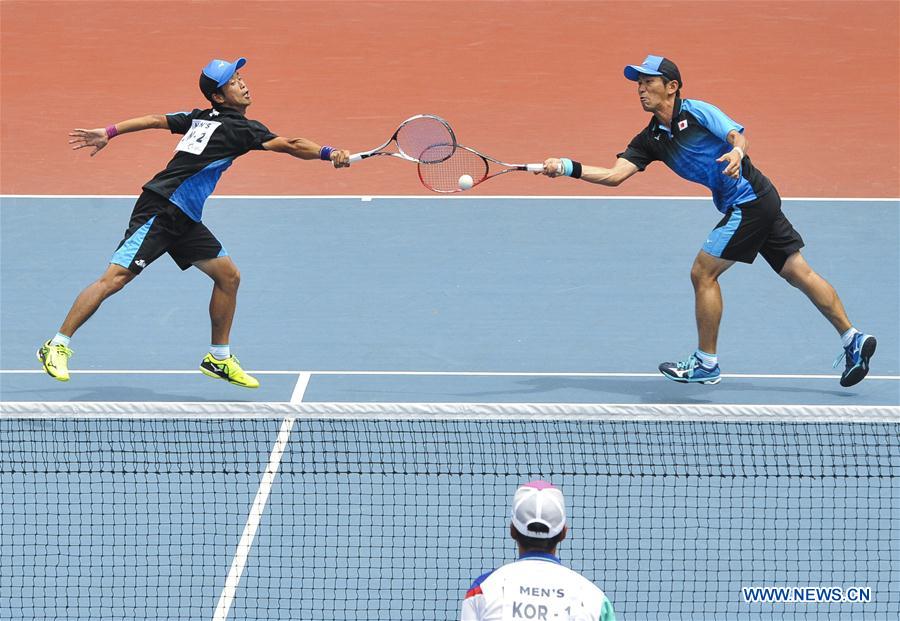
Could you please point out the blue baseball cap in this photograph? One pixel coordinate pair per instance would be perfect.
(654, 65)
(216, 75)
(222, 70)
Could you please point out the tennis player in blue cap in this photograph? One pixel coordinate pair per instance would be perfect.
(701, 144)
(167, 217)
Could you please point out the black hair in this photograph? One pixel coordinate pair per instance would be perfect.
(667, 80)
(208, 87)
(537, 543)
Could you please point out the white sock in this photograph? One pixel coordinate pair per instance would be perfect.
(60, 339)
(707, 360)
(220, 352)
(847, 337)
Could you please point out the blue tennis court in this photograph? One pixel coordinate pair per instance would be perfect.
(566, 287)
(431, 354)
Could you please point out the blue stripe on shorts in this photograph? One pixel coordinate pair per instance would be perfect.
(720, 236)
(125, 254)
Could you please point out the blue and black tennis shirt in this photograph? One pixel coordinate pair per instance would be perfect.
(697, 138)
(213, 138)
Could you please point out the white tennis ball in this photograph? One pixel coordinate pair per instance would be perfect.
(466, 182)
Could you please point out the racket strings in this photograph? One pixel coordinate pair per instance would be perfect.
(418, 136)
(449, 165)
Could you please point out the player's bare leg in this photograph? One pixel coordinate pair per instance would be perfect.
(799, 274)
(702, 366)
(708, 303)
(89, 300)
(858, 347)
(222, 304)
(55, 353)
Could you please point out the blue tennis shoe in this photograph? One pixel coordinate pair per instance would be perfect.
(691, 371)
(856, 356)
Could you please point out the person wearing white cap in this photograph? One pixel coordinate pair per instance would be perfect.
(702, 144)
(167, 217)
(537, 586)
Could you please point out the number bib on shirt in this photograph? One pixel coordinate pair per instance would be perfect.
(198, 136)
(551, 603)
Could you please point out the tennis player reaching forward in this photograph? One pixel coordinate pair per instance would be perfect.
(700, 143)
(167, 215)
(536, 586)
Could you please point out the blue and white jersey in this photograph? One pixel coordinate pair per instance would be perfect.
(536, 587)
(212, 139)
(697, 138)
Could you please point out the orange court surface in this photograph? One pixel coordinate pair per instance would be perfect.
(814, 83)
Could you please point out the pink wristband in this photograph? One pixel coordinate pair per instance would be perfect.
(111, 132)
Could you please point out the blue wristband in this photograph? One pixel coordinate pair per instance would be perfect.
(567, 166)
(325, 153)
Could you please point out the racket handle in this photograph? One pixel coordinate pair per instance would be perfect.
(534, 167)
(355, 157)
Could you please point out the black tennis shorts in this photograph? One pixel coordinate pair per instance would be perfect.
(757, 227)
(158, 226)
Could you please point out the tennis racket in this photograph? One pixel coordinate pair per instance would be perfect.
(440, 168)
(415, 136)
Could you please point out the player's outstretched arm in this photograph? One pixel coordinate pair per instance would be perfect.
(621, 170)
(100, 137)
(308, 150)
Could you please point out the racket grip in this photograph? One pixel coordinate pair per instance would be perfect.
(355, 157)
(534, 167)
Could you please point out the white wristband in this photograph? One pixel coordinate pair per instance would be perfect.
(739, 150)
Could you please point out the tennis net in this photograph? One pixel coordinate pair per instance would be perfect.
(141, 516)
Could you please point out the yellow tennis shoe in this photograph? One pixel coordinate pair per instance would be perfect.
(55, 359)
(229, 370)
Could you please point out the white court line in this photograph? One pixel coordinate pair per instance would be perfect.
(775, 376)
(252, 524)
(300, 388)
(259, 506)
(370, 197)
